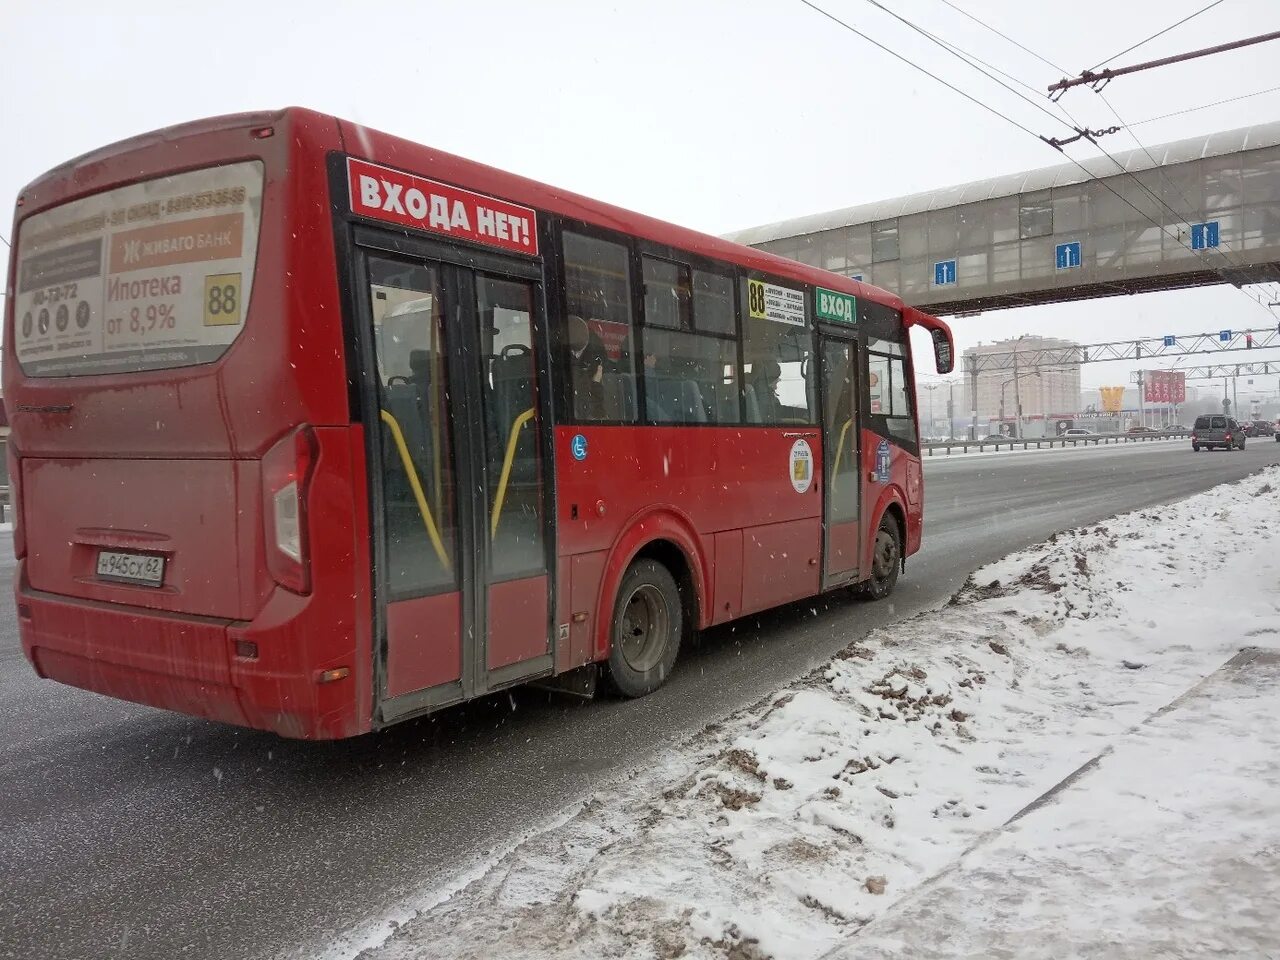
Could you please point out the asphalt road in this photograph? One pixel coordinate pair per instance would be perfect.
(130, 832)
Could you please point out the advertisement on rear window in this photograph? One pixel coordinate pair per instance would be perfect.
(145, 277)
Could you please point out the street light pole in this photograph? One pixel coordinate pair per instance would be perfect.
(1017, 394)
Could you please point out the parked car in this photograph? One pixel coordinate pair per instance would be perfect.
(1216, 430)
(1262, 428)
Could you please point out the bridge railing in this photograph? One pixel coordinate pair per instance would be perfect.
(1040, 443)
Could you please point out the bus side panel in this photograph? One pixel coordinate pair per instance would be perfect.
(780, 563)
(727, 597)
(719, 480)
(565, 659)
(878, 495)
(588, 570)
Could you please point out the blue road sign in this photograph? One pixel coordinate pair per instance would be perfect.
(1204, 235)
(944, 273)
(1224, 335)
(1068, 255)
(1169, 341)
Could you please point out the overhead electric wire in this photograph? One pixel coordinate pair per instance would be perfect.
(1159, 168)
(915, 66)
(1142, 43)
(1203, 106)
(1163, 229)
(1224, 253)
(946, 45)
(961, 55)
(1122, 123)
(983, 23)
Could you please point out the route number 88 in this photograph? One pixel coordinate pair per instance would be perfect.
(756, 299)
(222, 301)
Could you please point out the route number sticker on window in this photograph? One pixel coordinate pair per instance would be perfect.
(221, 299)
(768, 301)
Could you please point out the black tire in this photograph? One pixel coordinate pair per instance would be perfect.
(886, 561)
(645, 633)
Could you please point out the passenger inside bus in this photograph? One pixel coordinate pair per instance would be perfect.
(587, 359)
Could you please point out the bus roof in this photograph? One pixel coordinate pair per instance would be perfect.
(393, 151)
(379, 147)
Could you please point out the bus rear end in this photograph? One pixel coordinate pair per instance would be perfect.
(183, 465)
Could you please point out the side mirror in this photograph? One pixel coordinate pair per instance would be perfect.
(943, 351)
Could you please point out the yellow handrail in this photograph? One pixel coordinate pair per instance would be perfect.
(516, 425)
(835, 464)
(423, 508)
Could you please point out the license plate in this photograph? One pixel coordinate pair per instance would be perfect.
(140, 568)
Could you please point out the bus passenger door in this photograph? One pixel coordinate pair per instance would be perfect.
(841, 437)
(457, 476)
(514, 542)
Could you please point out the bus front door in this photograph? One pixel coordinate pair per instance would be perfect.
(458, 477)
(841, 438)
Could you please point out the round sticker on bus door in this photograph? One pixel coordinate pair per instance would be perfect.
(801, 466)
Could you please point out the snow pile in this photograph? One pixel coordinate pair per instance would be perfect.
(784, 830)
(1167, 848)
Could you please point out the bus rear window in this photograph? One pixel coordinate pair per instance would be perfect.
(150, 276)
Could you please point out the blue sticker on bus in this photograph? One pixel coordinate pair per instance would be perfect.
(578, 447)
(882, 462)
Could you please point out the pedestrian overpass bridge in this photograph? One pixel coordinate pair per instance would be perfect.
(1184, 214)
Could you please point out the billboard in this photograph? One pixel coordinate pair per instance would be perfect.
(1164, 386)
(1112, 399)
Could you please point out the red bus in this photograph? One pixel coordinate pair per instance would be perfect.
(315, 429)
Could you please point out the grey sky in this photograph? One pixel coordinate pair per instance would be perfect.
(716, 114)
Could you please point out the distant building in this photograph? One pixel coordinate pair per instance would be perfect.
(1045, 391)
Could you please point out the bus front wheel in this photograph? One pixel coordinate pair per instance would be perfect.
(646, 629)
(886, 561)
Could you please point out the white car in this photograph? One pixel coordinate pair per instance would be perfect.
(1077, 432)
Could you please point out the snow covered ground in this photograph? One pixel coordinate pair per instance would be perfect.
(864, 810)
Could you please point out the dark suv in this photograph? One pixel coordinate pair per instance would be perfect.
(1262, 428)
(1216, 430)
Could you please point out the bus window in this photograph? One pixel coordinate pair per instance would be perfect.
(713, 310)
(602, 376)
(778, 370)
(417, 457)
(890, 396)
(689, 377)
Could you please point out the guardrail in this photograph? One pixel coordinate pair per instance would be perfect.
(1038, 443)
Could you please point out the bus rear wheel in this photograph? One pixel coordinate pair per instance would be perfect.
(886, 561)
(646, 629)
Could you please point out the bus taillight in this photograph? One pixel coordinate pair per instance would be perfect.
(286, 475)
